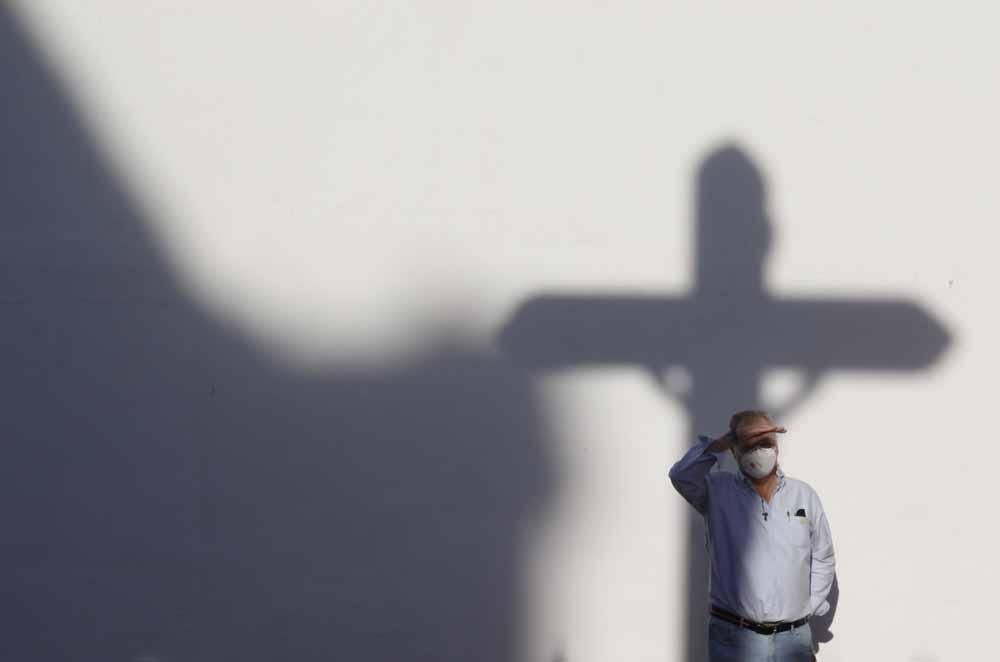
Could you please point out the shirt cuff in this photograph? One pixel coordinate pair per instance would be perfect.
(705, 442)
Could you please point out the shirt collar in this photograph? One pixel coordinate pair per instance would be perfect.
(746, 481)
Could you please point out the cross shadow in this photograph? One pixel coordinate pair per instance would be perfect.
(727, 333)
(172, 493)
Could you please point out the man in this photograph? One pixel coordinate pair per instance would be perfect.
(769, 544)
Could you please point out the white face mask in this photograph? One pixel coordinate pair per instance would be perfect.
(759, 462)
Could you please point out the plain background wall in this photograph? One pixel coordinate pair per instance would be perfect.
(257, 260)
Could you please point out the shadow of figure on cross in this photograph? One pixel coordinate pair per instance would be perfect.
(725, 335)
(173, 489)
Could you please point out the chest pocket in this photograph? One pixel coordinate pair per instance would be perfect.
(797, 529)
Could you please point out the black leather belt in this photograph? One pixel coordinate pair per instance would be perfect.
(759, 628)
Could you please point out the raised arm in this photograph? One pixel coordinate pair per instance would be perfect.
(688, 474)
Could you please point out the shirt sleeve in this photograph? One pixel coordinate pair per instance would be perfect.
(823, 565)
(689, 474)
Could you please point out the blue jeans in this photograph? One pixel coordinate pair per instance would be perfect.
(731, 643)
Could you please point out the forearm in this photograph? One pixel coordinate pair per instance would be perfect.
(823, 568)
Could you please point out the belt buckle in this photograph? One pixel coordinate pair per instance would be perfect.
(772, 627)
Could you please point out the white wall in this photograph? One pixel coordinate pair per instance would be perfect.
(339, 183)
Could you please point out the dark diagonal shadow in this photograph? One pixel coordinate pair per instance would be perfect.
(726, 333)
(172, 494)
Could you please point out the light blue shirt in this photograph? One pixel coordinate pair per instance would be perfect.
(770, 561)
